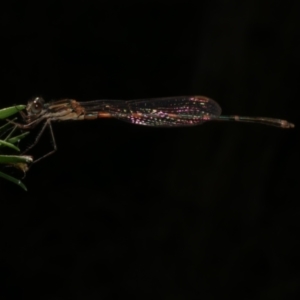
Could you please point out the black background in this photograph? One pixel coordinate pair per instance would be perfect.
(122, 210)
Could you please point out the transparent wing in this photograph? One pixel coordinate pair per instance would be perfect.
(160, 112)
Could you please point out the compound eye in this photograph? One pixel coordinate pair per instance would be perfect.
(37, 105)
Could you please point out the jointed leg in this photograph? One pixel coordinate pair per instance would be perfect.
(46, 124)
(37, 137)
(27, 126)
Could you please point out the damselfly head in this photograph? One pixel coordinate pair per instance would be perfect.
(35, 107)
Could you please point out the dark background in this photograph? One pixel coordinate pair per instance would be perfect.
(122, 210)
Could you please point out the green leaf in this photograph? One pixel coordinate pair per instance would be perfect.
(6, 144)
(17, 138)
(14, 180)
(13, 159)
(17, 161)
(9, 111)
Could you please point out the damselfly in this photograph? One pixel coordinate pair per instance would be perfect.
(158, 112)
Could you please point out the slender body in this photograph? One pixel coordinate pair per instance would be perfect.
(158, 112)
